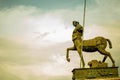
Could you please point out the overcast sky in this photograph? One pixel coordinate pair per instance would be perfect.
(34, 35)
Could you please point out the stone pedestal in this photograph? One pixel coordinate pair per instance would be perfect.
(94, 73)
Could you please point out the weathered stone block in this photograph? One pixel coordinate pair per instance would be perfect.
(93, 73)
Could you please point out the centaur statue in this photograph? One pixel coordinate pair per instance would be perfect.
(96, 44)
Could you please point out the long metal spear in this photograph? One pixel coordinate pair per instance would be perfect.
(84, 13)
(83, 25)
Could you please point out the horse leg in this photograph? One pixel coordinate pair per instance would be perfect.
(67, 54)
(107, 54)
(105, 57)
(81, 56)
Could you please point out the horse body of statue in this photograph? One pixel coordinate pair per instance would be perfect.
(96, 44)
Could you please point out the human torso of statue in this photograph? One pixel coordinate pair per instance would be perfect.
(77, 32)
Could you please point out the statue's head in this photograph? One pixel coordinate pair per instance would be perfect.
(75, 23)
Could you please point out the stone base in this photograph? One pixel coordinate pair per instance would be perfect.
(95, 73)
(117, 78)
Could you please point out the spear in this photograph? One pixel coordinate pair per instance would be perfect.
(83, 24)
(84, 13)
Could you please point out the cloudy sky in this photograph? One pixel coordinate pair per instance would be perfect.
(34, 35)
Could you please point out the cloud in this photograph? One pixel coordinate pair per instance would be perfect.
(102, 12)
(41, 36)
(23, 63)
(12, 21)
(21, 22)
(5, 75)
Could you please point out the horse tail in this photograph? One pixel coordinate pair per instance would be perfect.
(110, 44)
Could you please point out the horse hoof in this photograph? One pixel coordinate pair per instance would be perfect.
(113, 65)
(68, 59)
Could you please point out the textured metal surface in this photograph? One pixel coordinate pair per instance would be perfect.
(91, 73)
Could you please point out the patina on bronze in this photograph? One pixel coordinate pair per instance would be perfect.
(96, 44)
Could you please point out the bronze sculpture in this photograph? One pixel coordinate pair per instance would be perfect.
(96, 44)
(97, 64)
